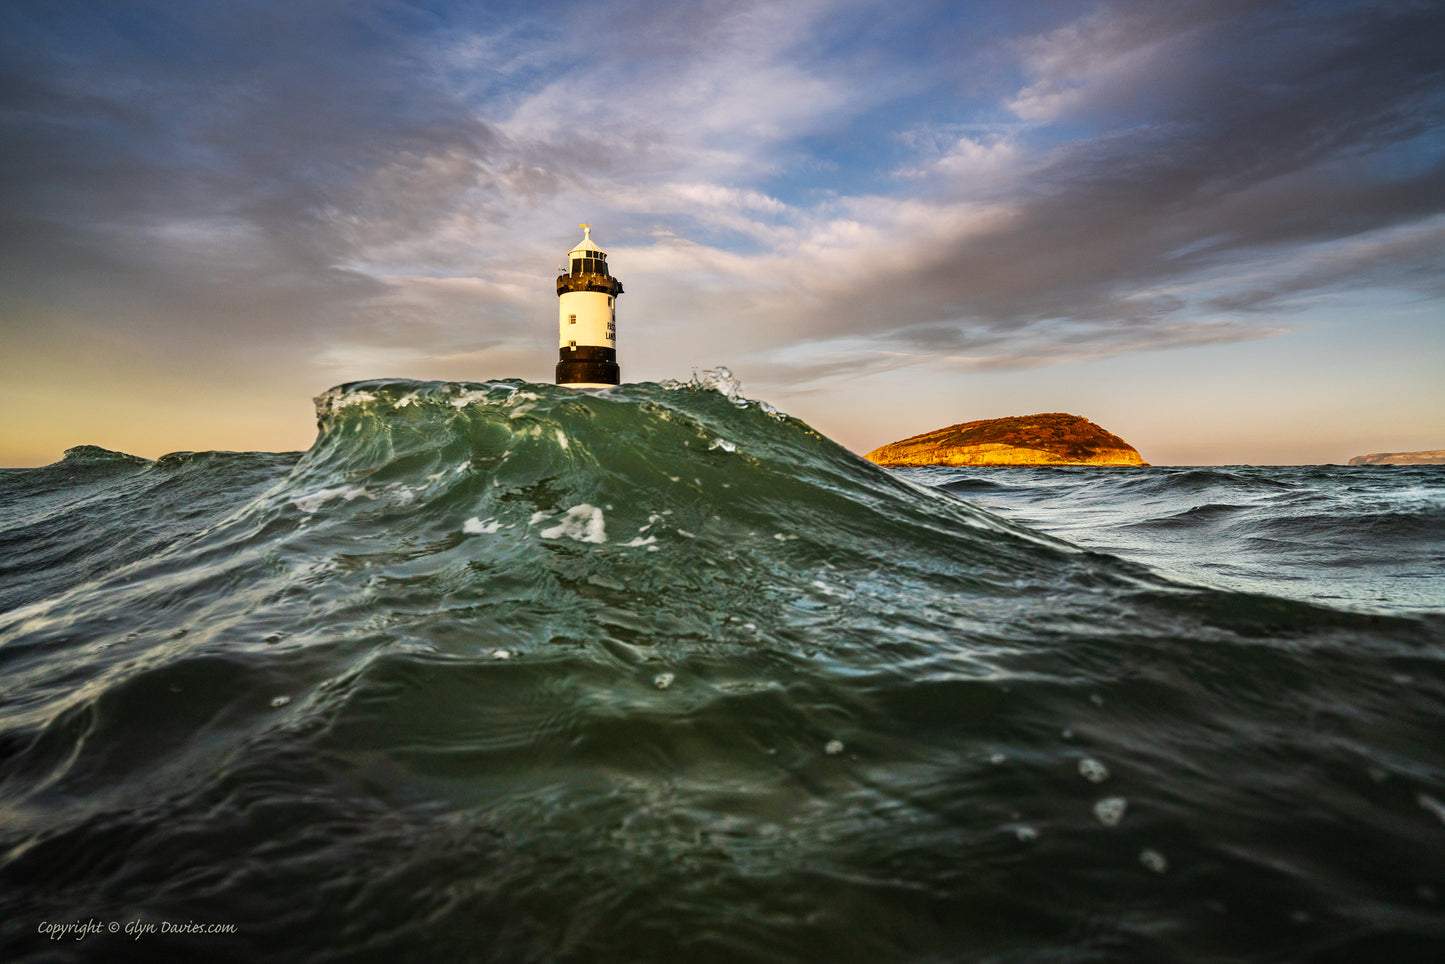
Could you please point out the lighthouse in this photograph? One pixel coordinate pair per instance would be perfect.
(587, 318)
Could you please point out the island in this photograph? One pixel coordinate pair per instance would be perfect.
(1052, 438)
(1432, 457)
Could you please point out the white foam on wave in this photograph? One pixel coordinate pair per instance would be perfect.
(1092, 770)
(351, 398)
(311, 502)
(476, 527)
(724, 444)
(1153, 860)
(583, 523)
(463, 399)
(562, 439)
(1110, 810)
(640, 541)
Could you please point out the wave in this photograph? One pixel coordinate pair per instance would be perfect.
(516, 673)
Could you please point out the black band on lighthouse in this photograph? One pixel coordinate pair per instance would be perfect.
(587, 353)
(574, 372)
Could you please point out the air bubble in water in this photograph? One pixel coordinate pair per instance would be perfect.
(1092, 770)
(834, 747)
(1153, 860)
(1110, 810)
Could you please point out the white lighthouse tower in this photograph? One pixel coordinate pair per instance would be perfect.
(587, 318)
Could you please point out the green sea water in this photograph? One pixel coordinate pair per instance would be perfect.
(505, 672)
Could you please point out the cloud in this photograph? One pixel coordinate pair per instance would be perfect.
(1217, 137)
(362, 184)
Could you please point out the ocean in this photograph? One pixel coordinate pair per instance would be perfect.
(505, 672)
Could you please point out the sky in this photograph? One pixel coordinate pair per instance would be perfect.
(1215, 228)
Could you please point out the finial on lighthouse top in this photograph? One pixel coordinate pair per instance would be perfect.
(586, 244)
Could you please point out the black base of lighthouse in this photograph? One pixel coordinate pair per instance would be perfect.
(588, 365)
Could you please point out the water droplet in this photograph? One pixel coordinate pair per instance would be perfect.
(279, 702)
(1110, 810)
(1092, 770)
(1153, 860)
(834, 747)
(1026, 834)
(996, 758)
(663, 680)
(1068, 734)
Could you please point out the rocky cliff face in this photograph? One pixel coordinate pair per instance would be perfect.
(1432, 457)
(1054, 438)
